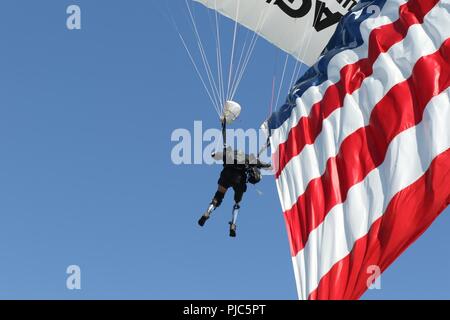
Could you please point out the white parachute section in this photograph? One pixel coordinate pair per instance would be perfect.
(302, 28)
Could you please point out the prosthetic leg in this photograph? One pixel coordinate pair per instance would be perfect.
(207, 214)
(216, 201)
(239, 191)
(234, 216)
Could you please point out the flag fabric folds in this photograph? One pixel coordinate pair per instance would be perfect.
(362, 145)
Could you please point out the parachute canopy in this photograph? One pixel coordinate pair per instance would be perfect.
(302, 28)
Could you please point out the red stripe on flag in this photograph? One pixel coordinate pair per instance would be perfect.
(407, 216)
(352, 75)
(366, 148)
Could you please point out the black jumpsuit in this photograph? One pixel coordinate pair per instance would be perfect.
(234, 173)
(235, 176)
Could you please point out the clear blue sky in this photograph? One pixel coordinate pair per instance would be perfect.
(86, 176)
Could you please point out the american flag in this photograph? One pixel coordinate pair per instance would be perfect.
(362, 145)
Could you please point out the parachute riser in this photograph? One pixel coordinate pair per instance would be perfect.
(224, 133)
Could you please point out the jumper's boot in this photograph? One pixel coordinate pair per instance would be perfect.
(236, 208)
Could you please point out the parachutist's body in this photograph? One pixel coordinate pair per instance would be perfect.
(238, 169)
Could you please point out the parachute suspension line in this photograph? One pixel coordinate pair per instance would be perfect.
(232, 50)
(294, 72)
(240, 63)
(245, 64)
(298, 59)
(166, 15)
(171, 21)
(198, 73)
(251, 48)
(273, 96)
(215, 32)
(282, 80)
(297, 72)
(274, 81)
(203, 55)
(219, 57)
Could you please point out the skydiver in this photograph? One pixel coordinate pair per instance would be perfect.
(238, 169)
